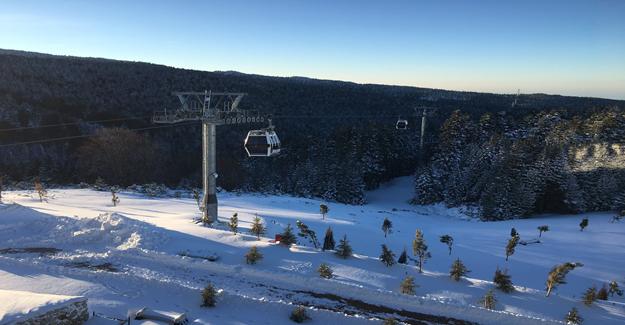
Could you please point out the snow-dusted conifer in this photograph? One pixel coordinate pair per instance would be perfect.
(253, 255)
(258, 228)
(458, 270)
(420, 249)
(325, 271)
(387, 257)
(287, 237)
(557, 275)
(328, 240)
(403, 257)
(573, 317)
(234, 223)
(489, 301)
(407, 286)
(447, 240)
(343, 249)
(386, 226)
(512, 243)
(502, 280)
(589, 296)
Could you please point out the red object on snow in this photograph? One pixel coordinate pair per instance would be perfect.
(278, 238)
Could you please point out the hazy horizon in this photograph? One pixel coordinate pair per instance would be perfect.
(571, 48)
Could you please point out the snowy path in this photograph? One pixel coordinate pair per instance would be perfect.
(144, 239)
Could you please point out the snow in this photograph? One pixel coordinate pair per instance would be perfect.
(143, 237)
(17, 304)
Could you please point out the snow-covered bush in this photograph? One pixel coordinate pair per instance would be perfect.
(325, 271)
(209, 296)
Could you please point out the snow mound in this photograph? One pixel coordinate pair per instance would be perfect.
(17, 304)
(24, 227)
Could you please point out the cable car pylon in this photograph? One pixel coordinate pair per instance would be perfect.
(212, 109)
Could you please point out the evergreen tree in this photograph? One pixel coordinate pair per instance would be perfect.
(328, 240)
(614, 289)
(114, 197)
(602, 294)
(583, 224)
(427, 188)
(325, 271)
(420, 249)
(502, 280)
(514, 233)
(557, 275)
(258, 228)
(488, 301)
(541, 229)
(573, 317)
(234, 223)
(458, 270)
(344, 250)
(589, 296)
(407, 286)
(512, 243)
(387, 257)
(209, 296)
(386, 226)
(307, 233)
(299, 315)
(448, 240)
(287, 237)
(403, 257)
(41, 191)
(253, 255)
(323, 209)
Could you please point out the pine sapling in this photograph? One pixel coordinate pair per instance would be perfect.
(323, 209)
(420, 249)
(407, 286)
(502, 280)
(602, 294)
(541, 229)
(307, 233)
(403, 257)
(589, 296)
(234, 223)
(41, 191)
(583, 224)
(573, 317)
(387, 257)
(325, 271)
(489, 301)
(513, 232)
(258, 228)
(328, 240)
(386, 226)
(299, 314)
(614, 289)
(287, 237)
(512, 243)
(114, 198)
(344, 250)
(458, 270)
(558, 273)
(209, 296)
(447, 240)
(253, 255)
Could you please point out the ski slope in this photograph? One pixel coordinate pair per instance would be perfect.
(128, 257)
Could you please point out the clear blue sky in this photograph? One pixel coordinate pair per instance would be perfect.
(552, 46)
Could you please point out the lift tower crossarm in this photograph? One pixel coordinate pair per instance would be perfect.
(212, 108)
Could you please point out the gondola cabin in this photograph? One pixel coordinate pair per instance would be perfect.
(401, 124)
(262, 143)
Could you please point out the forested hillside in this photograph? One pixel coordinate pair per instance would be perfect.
(339, 137)
(556, 161)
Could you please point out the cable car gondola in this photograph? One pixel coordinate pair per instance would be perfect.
(401, 124)
(262, 143)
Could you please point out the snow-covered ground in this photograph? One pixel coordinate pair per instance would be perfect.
(128, 257)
